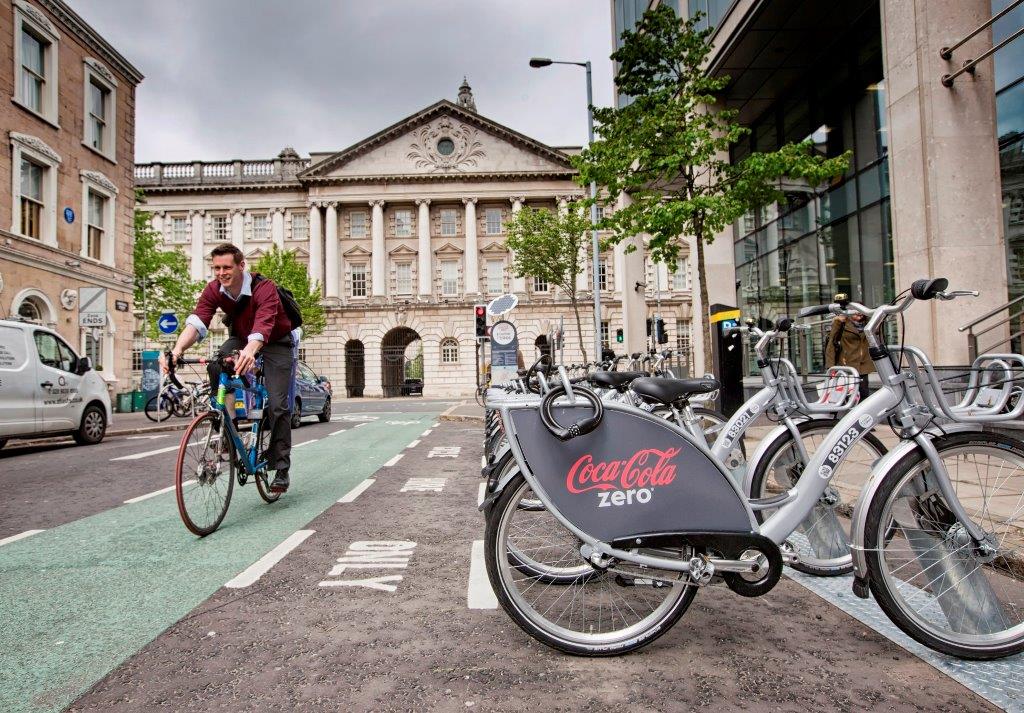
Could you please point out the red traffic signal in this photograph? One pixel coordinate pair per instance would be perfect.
(481, 321)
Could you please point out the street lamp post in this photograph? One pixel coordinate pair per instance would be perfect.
(537, 62)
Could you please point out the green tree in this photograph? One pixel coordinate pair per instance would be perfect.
(163, 282)
(552, 246)
(668, 150)
(285, 270)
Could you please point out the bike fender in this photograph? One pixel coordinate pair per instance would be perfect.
(885, 464)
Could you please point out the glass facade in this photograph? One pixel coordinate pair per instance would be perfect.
(827, 239)
(1009, 76)
(626, 15)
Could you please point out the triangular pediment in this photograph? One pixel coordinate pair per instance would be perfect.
(402, 250)
(442, 141)
(299, 252)
(493, 248)
(448, 249)
(255, 254)
(356, 251)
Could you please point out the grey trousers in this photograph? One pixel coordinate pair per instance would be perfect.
(278, 375)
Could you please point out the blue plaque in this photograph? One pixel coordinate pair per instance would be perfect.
(69, 215)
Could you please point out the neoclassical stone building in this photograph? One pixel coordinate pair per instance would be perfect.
(405, 231)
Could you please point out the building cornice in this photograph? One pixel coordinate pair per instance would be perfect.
(11, 250)
(70, 19)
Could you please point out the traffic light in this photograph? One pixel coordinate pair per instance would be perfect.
(480, 312)
(618, 336)
(661, 336)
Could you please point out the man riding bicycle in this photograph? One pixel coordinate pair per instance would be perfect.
(258, 325)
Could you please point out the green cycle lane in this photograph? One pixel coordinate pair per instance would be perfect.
(78, 600)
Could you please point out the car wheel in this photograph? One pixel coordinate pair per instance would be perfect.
(93, 426)
(325, 415)
(297, 414)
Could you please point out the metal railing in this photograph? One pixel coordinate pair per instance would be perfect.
(1014, 312)
(968, 66)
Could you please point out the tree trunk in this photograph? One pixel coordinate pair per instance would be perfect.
(705, 318)
(579, 326)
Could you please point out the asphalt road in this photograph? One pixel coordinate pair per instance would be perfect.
(119, 608)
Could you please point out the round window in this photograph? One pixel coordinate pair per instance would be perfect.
(445, 147)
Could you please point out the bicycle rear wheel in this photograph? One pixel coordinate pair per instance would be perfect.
(204, 475)
(925, 570)
(160, 408)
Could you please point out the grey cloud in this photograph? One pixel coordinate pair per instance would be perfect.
(243, 78)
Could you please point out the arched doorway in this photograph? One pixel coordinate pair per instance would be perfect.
(401, 354)
(355, 368)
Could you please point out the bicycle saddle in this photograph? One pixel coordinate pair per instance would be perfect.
(617, 380)
(668, 391)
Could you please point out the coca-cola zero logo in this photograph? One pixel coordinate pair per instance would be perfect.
(622, 481)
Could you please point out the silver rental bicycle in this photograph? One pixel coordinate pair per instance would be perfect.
(936, 533)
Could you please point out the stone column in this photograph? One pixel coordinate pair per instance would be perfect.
(277, 227)
(378, 271)
(331, 282)
(316, 246)
(198, 258)
(472, 266)
(944, 173)
(425, 276)
(629, 269)
(518, 283)
(238, 228)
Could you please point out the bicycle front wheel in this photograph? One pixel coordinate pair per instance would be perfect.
(160, 408)
(204, 477)
(927, 573)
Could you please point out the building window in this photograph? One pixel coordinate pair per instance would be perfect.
(94, 348)
(300, 226)
(100, 109)
(602, 275)
(449, 351)
(495, 277)
(96, 209)
(403, 223)
(29, 310)
(683, 338)
(220, 228)
(681, 277)
(35, 63)
(302, 354)
(493, 221)
(96, 123)
(259, 227)
(403, 278)
(605, 336)
(359, 280)
(540, 284)
(179, 230)
(31, 199)
(449, 277)
(138, 346)
(448, 221)
(358, 224)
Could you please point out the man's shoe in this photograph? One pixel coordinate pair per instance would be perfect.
(280, 483)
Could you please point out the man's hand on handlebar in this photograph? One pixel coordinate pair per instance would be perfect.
(165, 365)
(245, 360)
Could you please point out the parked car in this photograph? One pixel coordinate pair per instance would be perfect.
(312, 396)
(412, 387)
(46, 389)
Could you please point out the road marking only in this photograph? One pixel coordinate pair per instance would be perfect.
(481, 493)
(147, 496)
(394, 460)
(146, 454)
(414, 444)
(384, 554)
(19, 536)
(444, 452)
(305, 443)
(424, 485)
(355, 492)
(261, 566)
(480, 594)
(335, 433)
(426, 433)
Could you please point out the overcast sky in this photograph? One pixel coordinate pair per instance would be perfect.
(230, 79)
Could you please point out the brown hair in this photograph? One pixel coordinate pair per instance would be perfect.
(228, 249)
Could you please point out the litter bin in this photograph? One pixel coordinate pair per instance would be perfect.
(124, 402)
(138, 401)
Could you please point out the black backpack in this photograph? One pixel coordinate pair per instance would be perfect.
(288, 301)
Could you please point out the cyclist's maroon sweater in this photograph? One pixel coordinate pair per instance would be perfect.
(262, 314)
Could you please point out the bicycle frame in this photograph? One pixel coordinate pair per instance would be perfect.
(247, 457)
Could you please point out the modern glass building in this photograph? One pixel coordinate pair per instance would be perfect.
(922, 195)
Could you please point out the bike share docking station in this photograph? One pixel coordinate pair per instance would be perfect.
(727, 356)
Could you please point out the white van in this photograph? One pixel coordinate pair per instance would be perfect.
(46, 389)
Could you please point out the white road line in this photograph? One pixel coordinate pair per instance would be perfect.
(305, 443)
(483, 461)
(436, 424)
(359, 424)
(146, 454)
(19, 536)
(147, 496)
(480, 494)
(355, 492)
(146, 438)
(414, 444)
(480, 595)
(261, 566)
(335, 433)
(394, 460)
(426, 433)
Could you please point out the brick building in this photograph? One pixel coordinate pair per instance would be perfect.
(69, 145)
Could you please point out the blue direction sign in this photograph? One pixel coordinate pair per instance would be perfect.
(168, 323)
